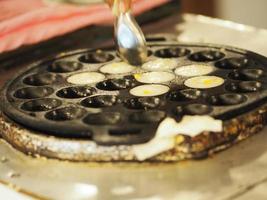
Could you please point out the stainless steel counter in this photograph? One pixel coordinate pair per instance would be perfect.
(237, 173)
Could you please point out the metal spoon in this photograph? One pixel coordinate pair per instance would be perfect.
(130, 40)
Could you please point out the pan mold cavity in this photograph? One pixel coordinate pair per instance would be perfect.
(41, 79)
(100, 101)
(172, 52)
(96, 57)
(185, 95)
(76, 92)
(232, 63)
(39, 105)
(143, 103)
(117, 84)
(62, 66)
(246, 74)
(33, 92)
(66, 113)
(244, 86)
(206, 56)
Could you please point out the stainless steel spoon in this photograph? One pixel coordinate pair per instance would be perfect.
(130, 40)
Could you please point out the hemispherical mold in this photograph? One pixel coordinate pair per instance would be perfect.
(100, 101)
(62, 66)
(250, 86)
(96, 57)
(143, 103)
(33, 92)
(206, 56)
(227, 99)
(116, 84)
(172, 52)
(76, 92)
(244, 86)
(152, 116)
(232, 63)
(39, 105)
(66, 113)
(184, 95)
(103, 118)
(41, 79)
(246, 74)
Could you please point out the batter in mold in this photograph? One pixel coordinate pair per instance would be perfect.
(117, 68)
(86, 78)
(194, 70)
(204, 82)
(160, 64)
(154, 77)
(149, 90)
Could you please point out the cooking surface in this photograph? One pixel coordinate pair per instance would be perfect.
(237, 173)
(47, 97)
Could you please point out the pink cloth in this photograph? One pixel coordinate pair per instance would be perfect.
(31, 21)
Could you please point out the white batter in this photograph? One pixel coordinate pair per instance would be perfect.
(117, 68)
(193, 70)
(154, 77)
(86, 78)
(168, 129)
(149, 90)
(160, 64)
(204, 82)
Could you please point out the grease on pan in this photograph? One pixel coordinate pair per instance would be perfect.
(117, 68)
(86, 78)
(160, 64)
(149, 90)
(154, 77)
(193, 70)
(204, 82)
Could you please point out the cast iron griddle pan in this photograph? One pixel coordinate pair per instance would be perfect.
(41, 100)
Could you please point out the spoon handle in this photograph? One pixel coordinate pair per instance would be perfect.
(119, 6)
